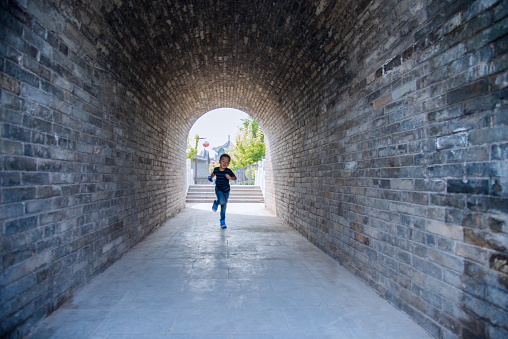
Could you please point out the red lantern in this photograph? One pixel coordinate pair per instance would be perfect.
(206, 144)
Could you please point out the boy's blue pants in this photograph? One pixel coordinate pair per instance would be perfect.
(222, 200)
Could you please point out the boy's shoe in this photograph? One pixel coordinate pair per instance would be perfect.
(223, 224)
(214, 207)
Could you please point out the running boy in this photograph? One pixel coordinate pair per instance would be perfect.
(222, 188)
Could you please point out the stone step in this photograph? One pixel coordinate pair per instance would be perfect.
(231, 196)
(233, 187)
(213, 190)
(230, 200)
(238, 194)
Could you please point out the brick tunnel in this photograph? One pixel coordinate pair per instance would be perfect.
(385, 124)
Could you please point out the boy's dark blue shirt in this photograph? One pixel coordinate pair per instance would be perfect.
(221, 182)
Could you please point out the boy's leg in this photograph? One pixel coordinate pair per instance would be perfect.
(223, 205)
(216, 203)
(220, 199)
(223, 212)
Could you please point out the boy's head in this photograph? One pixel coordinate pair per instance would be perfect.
(225, 156)
(224, 161)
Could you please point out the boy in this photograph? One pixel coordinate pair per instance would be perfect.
(222, 188)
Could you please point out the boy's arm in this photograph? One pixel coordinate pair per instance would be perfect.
(231, 176)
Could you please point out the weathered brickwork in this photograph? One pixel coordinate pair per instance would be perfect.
(399, 177)
(385, 124)
(89, 168)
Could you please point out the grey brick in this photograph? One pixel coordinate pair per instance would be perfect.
(486, 136)
(480, 169)
(446, 200)
(452, 141)
(8, 20)
(488, 35)
(15, 210)
(465, 155)
(469, 91)
(9, 84)
(21, 75)
(80, 93)
(427, 267)
(432, 185)
(485, 239)
(20, 164)
(37, 151)
(15, 133)
(442, 171)
(16, 288)
(48, 191)
(49, 165)
(447, 260)
(35, 206)
(37, 138)
(478, 23)
(18, 255)
(496, 204)
(427, 295)
(50, 218)
(10, 179)
(63, 48)
(37, 68)
(20, 225)
(21, 45)
(483, 309)
(17, 194)
(468, 186)
(52, 89)
(446, 245)
(37, 124)
(11, 147)
(35, 178)
(477, 203)
(37, 29)
(463, 218)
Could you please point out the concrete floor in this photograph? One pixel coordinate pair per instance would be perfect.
(256, 279)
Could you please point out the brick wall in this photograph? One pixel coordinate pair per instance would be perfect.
(88, 168)
(403, 177)
(385, 124)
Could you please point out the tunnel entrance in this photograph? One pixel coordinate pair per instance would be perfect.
(231, 132)
(385, 133)
(217, 129)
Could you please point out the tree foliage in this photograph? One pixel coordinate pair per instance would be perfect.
(249, 145)
(192, 151)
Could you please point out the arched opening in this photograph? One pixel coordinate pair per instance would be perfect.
(226, 131)
(218, 128)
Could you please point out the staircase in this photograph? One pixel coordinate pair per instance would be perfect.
(238, 194)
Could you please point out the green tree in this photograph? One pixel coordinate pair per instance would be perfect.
(192, 151)
(249, 145)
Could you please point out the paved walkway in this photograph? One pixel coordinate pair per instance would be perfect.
(256, 279)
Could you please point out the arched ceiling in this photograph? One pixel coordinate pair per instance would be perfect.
(264, 57)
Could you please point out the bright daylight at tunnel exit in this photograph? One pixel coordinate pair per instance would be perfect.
(232, 132)
(365, 191)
